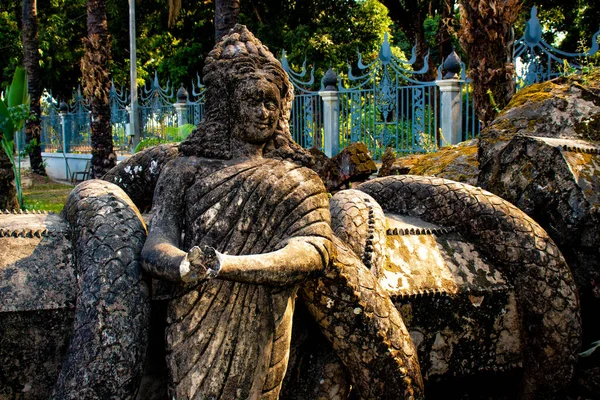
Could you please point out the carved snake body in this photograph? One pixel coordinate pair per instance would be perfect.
(108, 344)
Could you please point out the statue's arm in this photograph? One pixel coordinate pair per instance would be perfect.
(161, 255)
(293, 263)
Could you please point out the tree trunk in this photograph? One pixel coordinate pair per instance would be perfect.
(486, 37)
(96, 86)
(226, 16)
(8, 191)
(31, 59)
(446, 29)
(410, 17)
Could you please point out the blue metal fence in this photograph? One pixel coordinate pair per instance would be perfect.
(470, 122)
(156, 110)
(537, 61)
(306, 119)
(387, 105)
(383, 104)
(67, 126)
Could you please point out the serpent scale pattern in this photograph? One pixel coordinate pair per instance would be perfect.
(358, 220)
(545, 290)
(108, 345)
(138, 175)
(366, 331)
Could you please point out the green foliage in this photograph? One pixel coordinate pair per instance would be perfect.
(179, 133)
(171, 134)
(45, 194)
(145, 143)
(14, 110)
(11, 50)
(493, 101)
(567, 24)
(14, 106)
(176, 53)
(325, 33)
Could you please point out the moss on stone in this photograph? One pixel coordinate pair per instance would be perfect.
(436, 163)
(534, 93)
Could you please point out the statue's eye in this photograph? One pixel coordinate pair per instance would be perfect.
(270, 105)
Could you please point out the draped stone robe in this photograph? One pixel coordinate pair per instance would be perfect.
(225, 339)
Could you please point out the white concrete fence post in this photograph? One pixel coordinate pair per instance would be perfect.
(451, 107)
(331, 114)
(63, 110)
(181, 106)
(451, 118)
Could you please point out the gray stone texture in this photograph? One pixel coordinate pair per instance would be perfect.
(37, 300)
(366, 331)
(267, 218)
(523, 252)
(138, 175)
(353, 164)
(108, 344)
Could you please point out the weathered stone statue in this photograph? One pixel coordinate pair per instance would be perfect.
(240, 227)
(226, 209)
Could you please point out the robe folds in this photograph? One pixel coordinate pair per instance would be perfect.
(225, 339)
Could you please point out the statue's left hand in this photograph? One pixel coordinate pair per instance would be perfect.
(200, 263)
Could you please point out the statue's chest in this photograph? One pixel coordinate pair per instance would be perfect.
(214, 205)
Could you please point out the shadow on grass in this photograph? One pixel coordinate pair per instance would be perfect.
(45, 194)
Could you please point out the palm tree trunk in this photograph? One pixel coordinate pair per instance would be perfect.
(31, 59)
(96, 86)
(486, 37)
(226, 16)
(446, 29)
(409, 15)
(8, 191)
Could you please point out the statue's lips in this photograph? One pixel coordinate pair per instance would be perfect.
(262, 125)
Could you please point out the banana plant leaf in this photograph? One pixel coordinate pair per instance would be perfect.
(16, 94)
(6, 125)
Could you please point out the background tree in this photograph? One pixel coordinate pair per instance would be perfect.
(410, 15)
(568, 24)
(485, 35)
(226, 16)
(14, 111)
(323, 32)
(96, 86)
(31, 60)
(446, 32)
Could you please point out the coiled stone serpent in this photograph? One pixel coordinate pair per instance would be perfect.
(108, 345)
(364, 327)
(546, 293)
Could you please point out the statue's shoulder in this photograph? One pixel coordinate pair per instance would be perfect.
(301, 173)
(182, 167)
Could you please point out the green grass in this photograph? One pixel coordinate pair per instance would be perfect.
(45, 194)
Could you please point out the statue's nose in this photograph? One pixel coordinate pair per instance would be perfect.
(263, 112)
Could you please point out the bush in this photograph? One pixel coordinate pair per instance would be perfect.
(144, 143)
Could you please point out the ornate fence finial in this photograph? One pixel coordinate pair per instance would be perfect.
(182, 95)
(452, 65)
(63, 108)
(385, 52)
(330, 80)
(533, 30)
(537, 61)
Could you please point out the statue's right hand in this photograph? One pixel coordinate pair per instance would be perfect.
(200, 263)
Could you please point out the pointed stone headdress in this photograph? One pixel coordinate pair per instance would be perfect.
(237, 57)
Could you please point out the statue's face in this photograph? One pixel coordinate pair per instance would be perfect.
(259, 102)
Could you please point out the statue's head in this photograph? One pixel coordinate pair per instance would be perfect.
(248, 100)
